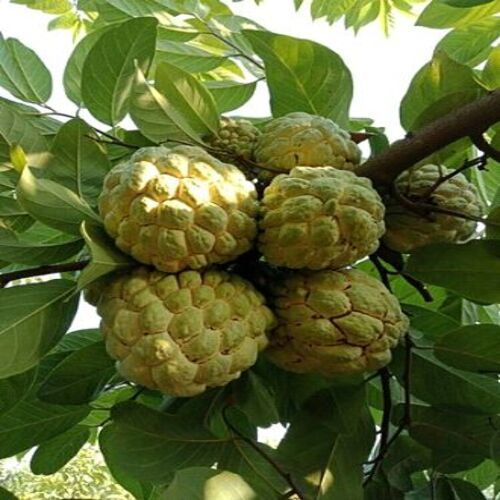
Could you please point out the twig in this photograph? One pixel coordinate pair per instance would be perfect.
(382, 271)
(285, 475)
(483, 145)
(419, 286)
(470, 120)
(6, 278)
(114, 141)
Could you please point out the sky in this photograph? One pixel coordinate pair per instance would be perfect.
(382, 67)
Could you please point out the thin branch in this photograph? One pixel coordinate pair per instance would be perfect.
(419, 287)
(116, 142)
(285, 475)
(6, 278)
(471, 120)
(382, 271)
(483, 145)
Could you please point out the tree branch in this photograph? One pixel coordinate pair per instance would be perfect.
(6, 278)
(471, 120)
(480, 142)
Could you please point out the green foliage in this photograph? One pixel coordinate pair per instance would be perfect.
(160, 72)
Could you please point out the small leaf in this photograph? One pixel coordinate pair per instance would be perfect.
(471, 269)
(53, 204)
(80, 377)
(230, 95)
(23, 73)
(473, 347)
(106, 93)
(18, 157)
(54, 454)
(106, 258)
(32, 320)
(33, 422)
(304, 76)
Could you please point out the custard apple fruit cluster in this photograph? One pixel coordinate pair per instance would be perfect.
(318, 218)
(333, 322)
(179, 208)
(407, 230)
(182, 333)
(236, 138)
(301, 139)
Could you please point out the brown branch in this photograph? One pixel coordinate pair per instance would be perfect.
(483, 145)
(471, 120)
(6, 278)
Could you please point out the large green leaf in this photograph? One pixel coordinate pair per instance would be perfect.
(80, 377)
(33, 422)
(230, 95)
(106, 258)
(47, 6)
(490, 75)
(55, 453)
(106, 92)
(15, 388)
(53, 204)
(13, 216)
(473, 347)
(32, 320)
(177, 107)
(304, 76)
(471, 44)
(203, 483)
(40, 245)
(146, 8)
(432, 324)
(151, 446)
(446, 387)
(23, 73)
(471, 269)
(7, 495)
(78, 339)
(77, 161)
(440, 15)
(439, 86)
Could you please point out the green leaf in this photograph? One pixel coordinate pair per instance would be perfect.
(439, 15)
(53, 204)
(490, 73)
(178, 106)
(150, 445)
(471, 269)
(47, 6)
(230, 95)
(17, 157)
(462, 490)
(12, 216)
(77, 161)
(466, 3)
(72, 78)
(106, 93)
(40, 245)
(23, 73)
(106, 258)
(145, 8)
(473, 347)
(304, 76)
(446, 387)
(362, 13)
(471, 44)
(7, 495)
(32, 320)
(33, 422)
(80, 377)
(432, 324)
(15, 388)
(202, 483)
(439, 87)
(495, 447)
(78, 339)
(68, 20)
(54, 454)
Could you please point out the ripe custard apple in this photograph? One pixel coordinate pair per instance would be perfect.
(333, 322)
(301, 139)
(407, 230)
(179, 208)
(235, 138)
(318, 218)
(182, 333)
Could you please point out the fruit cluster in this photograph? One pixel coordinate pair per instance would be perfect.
(182, 325)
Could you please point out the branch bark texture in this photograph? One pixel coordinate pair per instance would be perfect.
(471, 120)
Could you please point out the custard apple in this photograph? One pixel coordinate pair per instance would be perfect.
(334, 322)
(301, 139)
(182, 333)
(407, 230)
(179, 208)
(318, 218)
(235, 138)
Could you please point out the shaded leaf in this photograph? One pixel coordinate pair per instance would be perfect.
(32, 320)
(15, 388)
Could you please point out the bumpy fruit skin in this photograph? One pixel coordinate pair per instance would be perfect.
(179, 208)
(183, 333)
(407, 230)
(301, 139)
(318, 218)
(334, 322)
(235, 138)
